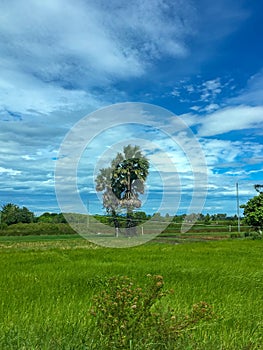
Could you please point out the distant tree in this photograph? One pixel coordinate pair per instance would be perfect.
(157, 217)
(9, 213)
(53, 218)
(259, 188)
(207, 219)
(201, 217)
(140, 217)
(167, 216)
(123, 182)
(179, 218)
(25, 215)
(45, 217)
(60, 219)
(253, 212)
(193, 217)
(12, 214)
(218, 217)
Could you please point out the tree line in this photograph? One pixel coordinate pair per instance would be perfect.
(121, 185)
(12, 214)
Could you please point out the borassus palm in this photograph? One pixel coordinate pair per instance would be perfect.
(124, 181)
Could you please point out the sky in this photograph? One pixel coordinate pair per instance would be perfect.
(183, 79)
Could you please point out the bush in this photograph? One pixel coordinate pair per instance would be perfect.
(256, 235)
(3, 226)
(235, 235)
(40, 228)
(253, 235)
(127, 315)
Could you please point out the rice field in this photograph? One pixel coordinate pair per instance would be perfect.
(47, 285)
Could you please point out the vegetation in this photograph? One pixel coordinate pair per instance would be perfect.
(122, 183)
(20, 221)
(126, 313)
(52, 218)
(253, 211)
(216, 225)
(48, 288)
(37, 228)
(12, 214)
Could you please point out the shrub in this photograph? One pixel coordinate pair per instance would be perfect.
(126, 314)
(3, 226)
(256, 235)
(253, 235)
(235, 235)
(40, 228)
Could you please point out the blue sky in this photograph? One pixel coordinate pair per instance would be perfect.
(62, 60)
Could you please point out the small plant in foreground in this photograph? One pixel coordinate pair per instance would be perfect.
(126, 313)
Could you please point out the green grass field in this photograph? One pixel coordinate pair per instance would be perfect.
(47, 283)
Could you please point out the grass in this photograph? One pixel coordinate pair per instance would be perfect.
(47, 284)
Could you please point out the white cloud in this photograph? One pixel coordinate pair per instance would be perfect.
(60, 60)
(218, 151)
(211, 107)
(79, 42)
(230, 119)
(27, 157)
(195, 108)
(210, 89)
(26, 94)
(11, 172)
(252, 93)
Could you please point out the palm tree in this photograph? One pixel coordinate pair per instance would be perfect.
(103, 183)
(129, 176)
(124, 181)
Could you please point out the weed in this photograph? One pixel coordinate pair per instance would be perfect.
(126, 313)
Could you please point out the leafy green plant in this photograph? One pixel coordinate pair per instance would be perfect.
(253, 235)
(256, 235)
(235, 235)
(253, 212)
(125, 313)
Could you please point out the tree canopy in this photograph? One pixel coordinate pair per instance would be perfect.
(128, 177)
(253, 211)
(13, 214)
(123, 181)
(259, 188)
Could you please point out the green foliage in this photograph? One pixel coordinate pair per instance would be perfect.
(52, 218)
(122, 308)
(12, 214)
(253, 235)
(259, 188)
(137, 217)
(253, 212)
(126, 313)
(123, 181)
(40, 228)
(3, 226)
(235, 235)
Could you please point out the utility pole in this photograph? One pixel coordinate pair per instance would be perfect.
(87, 213)
(238, 215)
